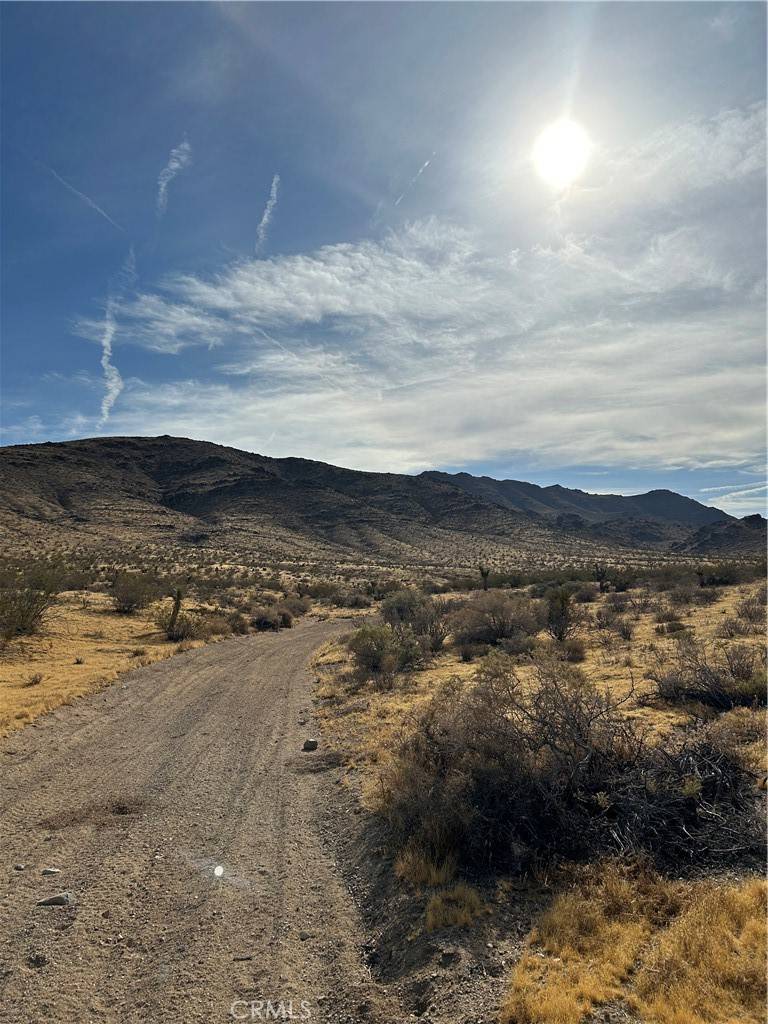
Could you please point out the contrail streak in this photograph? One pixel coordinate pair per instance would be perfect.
(266, 217)
(113, 381)
(81, 195)
(413, 181)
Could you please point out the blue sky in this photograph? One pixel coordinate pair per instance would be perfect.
(316, 230)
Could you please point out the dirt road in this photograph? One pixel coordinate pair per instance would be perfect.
(181, 813)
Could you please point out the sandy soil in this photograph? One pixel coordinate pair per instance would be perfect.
(139, 794)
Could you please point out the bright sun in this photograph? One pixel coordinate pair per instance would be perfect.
(561, 153)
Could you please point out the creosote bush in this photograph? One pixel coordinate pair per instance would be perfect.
(296, 605)
(574, 650)
(501, 773)
(26, 594)
(722, 676)
(237, 623)
(382, 651)
(185, 627)
(561, 619)
(179, 625)
(132, 591)
(494, 617)
(426, 616)
(266, 619)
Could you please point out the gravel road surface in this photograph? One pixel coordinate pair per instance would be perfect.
(182, 816)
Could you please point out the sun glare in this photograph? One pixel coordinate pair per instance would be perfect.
(561, 153)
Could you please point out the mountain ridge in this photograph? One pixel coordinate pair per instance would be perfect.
(94, 489)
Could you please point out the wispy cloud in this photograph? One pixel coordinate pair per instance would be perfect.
(724, 22)
(266, 217)
(81, 195)
(734, 488)
(739, 501)
(180, 158)
(437, 345)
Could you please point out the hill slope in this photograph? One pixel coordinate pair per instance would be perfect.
(173, 491)
(551, 502)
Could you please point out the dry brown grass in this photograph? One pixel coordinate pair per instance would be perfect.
(674, 952)
(364, 723)
(82, 646)
(456, 907)
(617, 665)
(709, 964)
(415, 867)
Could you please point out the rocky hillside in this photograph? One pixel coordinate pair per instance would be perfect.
(173, 491)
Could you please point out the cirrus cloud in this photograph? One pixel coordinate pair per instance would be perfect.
(636, 342)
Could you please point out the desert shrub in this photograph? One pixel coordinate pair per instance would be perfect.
(622, 580)
(667, 628)
(382, 651)
(435, 624)
(666, 577)
(624, 628)
(382, 587)
(353, 599)
(605, 617)
(425, 615)
(265, 619)
(561, 618)
(468, 652)
(618, 602)
(216, 625)
(752, 609)
(722, 677)
(296, 605)
(518, 644)
(75, 579)
(503, 772)
(284, 617)
(26, 594)
(730, 629)
(320, 590)
(494, 616)
(586, 594)
(725, 574)
(132, 591)
(238, 623)
(742, 729)
(663, 614)
(640, 601)
(574, 649)
(682, 595)
(184, 627)
(404, 607)
(412, 866)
